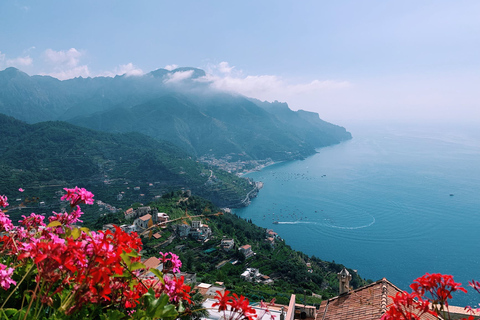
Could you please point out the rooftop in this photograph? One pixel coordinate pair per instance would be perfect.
(151, 263)
(145, 217)
(366, 303)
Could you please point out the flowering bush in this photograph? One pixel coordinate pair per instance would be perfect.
(61, 271)
(430, 296)
(234, 307)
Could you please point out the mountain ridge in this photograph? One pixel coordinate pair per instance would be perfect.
(45, 155)
(182, 109)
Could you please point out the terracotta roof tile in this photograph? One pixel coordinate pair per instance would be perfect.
(151, 263)
(366, 303)
(145, 217)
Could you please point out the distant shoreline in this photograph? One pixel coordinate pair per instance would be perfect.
(258, 168)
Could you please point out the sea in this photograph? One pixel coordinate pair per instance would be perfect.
(395, 202)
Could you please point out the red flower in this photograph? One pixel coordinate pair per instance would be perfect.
(438, 286)
(239, 306)
(407, 306)
(223, 300)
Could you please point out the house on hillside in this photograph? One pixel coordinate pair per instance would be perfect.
(128, 228)
(254, 275)
(271, 233)
(197, 230)
(246, 250)
(140, 212)
(208, 290)
(150, 263)
(369, 302)
(129, 213)
(144, 222)
(227, 244)
(183, 230)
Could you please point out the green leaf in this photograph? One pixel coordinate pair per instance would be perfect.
(54, 224)
(9, 312)
(161, 306)
(137, 265)
(76, 233)
(169, 312)
(158, 273)
(112, 314)
(132, 253)
(126, 259)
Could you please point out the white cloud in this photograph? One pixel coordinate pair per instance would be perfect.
(66, 64)
(128, 69)
(20, 62)
(69, 58)
(224, 67)
(179, 76)
(265, 87)
(171, 67)
(80, 71)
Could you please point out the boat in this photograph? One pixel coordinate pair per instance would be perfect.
(275, 222)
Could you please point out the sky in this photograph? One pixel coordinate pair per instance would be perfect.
(350, 61)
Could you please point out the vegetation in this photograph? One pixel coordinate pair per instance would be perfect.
(287, 267)
(119, 168)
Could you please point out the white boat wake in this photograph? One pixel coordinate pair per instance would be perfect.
(330, 225)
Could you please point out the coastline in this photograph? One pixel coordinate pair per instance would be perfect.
(258, 168)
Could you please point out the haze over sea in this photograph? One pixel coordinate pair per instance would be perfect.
(393, 202)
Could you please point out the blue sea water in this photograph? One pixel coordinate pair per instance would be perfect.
(393, 202)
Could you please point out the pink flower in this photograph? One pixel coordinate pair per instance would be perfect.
(67, 219)
(77, 196)
(21, 189)
(3, 201)
(170, 263)
(33, 221)
(5, 222)
(6, 277)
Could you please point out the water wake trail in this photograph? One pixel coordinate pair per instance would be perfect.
(330, 225)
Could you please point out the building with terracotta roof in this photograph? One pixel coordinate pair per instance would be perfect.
(144, 221)
(369, 302)
(209, 291)
(150, 263)
(246, 250)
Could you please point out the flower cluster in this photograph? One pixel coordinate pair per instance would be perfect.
(77, 196)
(407, 306)
(430, 295)
(170, 262)
(438, 287)
(5, 277)
(78, 270)
(234, 307)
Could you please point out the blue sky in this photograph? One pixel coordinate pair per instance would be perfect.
(347, 60)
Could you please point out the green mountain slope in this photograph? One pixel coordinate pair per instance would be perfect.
(188, 113)
(50, 155)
